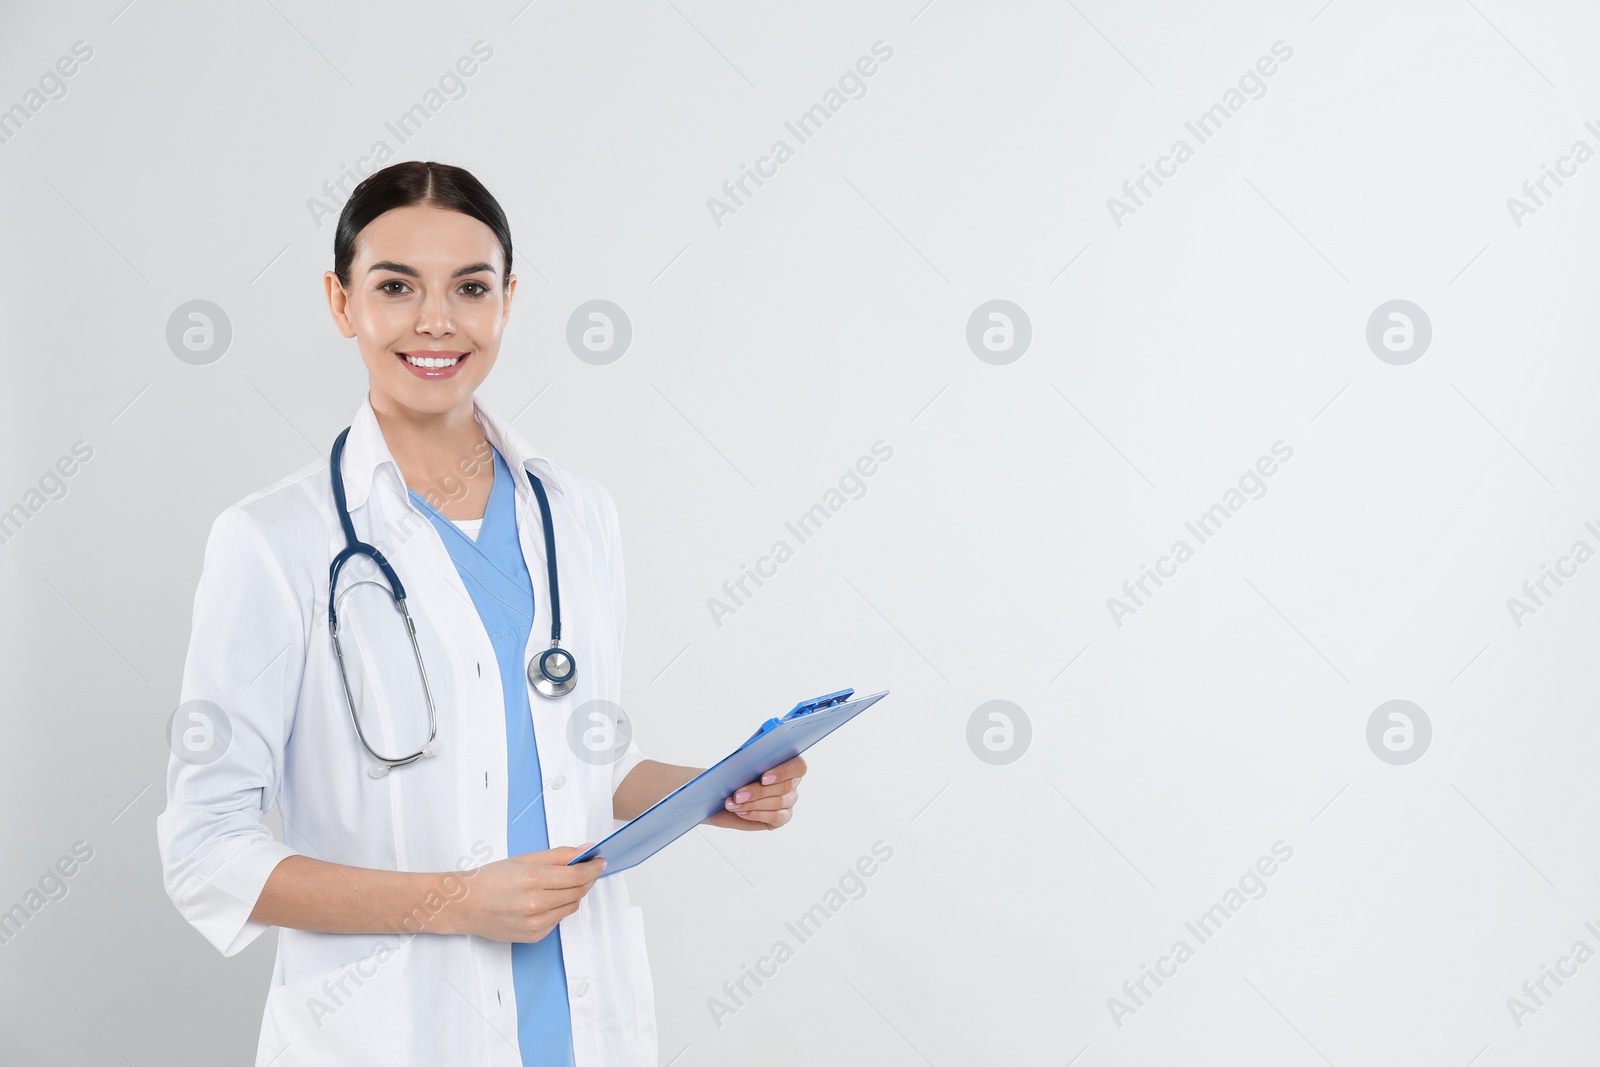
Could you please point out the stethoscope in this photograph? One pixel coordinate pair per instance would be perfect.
(553, 673)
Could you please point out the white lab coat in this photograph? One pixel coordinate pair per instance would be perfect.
(261, 651)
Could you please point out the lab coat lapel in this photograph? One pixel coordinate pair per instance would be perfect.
(460, 660)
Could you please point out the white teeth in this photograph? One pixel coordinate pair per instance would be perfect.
(429, 362)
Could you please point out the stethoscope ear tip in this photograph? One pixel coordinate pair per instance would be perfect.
(378, 770)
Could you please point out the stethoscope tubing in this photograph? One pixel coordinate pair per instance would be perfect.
(548, 680)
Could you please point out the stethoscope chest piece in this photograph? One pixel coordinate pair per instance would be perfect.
(553, 672)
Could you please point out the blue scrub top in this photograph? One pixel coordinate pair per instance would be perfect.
(496, 576)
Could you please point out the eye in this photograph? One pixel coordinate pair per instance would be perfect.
(481, 288)
(384, 288)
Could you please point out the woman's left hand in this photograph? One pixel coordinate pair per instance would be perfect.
(767, 804)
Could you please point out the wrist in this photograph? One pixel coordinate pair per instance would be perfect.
(445, 904)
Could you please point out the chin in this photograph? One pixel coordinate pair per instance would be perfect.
(430, 398)
(439, 401)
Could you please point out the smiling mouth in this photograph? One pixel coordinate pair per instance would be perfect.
(436, 361)
(433, 365)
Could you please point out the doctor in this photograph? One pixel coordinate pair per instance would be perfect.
(425, 917)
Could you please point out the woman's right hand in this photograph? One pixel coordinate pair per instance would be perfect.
(523, 897)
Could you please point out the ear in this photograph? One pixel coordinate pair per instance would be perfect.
(338, 304)
(505, 312)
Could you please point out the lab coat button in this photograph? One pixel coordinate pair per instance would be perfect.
(582, 988)
(558, 781)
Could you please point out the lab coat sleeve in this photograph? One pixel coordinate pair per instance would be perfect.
(633, 756)
(246, 657)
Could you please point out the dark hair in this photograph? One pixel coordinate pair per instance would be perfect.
(414, 182)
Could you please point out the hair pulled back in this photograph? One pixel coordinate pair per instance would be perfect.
(403, 184)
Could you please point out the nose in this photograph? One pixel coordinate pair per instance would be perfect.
(433, 314)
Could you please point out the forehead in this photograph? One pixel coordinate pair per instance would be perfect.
(424, 236)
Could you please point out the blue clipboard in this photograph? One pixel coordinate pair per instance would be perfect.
(700, 798)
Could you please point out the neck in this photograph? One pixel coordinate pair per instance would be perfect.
(428, 446)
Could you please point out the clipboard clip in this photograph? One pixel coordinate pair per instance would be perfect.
(805, 707)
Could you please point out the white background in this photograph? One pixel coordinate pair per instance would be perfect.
(769, 353)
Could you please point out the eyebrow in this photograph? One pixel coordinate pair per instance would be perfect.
(411, 272)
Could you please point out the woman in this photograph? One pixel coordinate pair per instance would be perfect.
(426, 918)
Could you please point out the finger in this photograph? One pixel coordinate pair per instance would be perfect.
(555, 899)
(547, 921)
(589, 870)
(553, 855)
(551, 900)
(562, 876)
(769, 786)
(743, 795)
(793, 767)
(776, 803)
(769, 804)
(754, 791)
(747, 795)
(771, 820)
